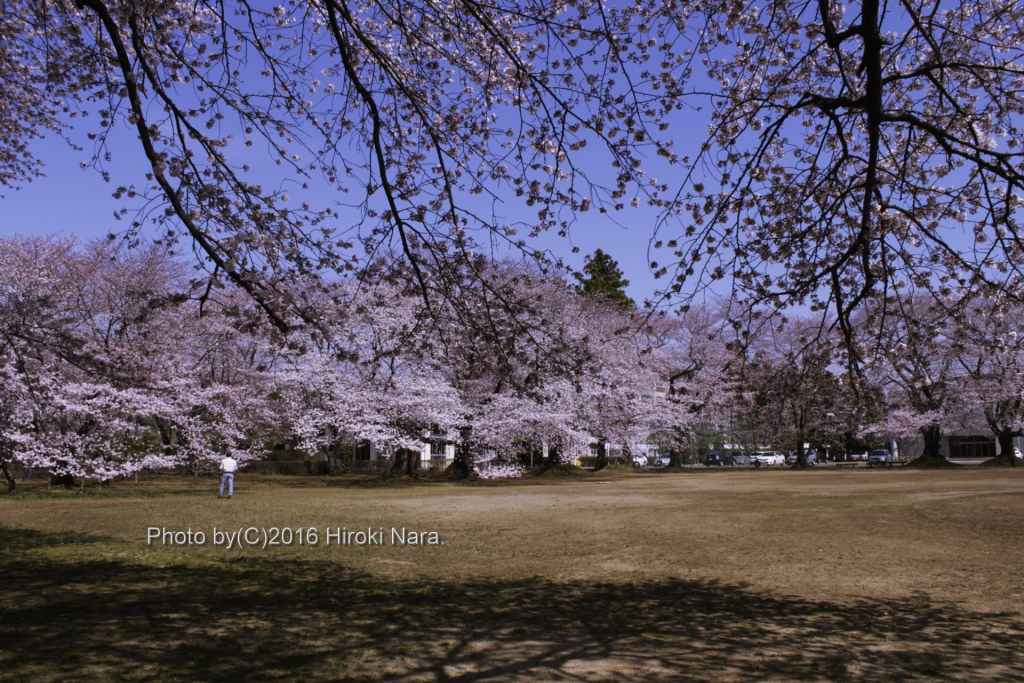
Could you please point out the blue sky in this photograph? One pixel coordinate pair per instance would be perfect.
(70, 200)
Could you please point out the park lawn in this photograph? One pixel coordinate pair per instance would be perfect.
(702, 576)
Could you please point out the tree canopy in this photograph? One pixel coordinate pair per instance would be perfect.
(853, 151)
(113, 361)
(857, 150)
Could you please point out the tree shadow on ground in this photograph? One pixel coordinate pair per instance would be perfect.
(285, 619)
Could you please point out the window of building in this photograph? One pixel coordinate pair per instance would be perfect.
(971, 447)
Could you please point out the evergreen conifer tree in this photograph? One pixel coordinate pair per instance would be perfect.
(601, 277)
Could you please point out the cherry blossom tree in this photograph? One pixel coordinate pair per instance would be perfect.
(915, 367)
(413, 110)
(59, 411)
(797, 392)
(696, 356)
(374, 380)
(205, 363)
(537, 362)
(989, 348)
(854, 150)
(111, 367)
(618, 398)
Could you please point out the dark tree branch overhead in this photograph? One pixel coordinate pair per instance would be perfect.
(202, 238)
(894, 159)
(428, 102)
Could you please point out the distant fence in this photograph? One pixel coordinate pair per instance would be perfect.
(370, 466)
(375, 466)
(293, 467)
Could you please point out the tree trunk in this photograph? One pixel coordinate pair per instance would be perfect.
(932, 443)
(168, 438)
(552, 460)
(8, 477)
(801, 454)
(675, 455)
(847, 445)
(602, 455)
(1006, 457)
(65, 480)
(932, 456)
(404, 462)
(462, 465)
(799, 422)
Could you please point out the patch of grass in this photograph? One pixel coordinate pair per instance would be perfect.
(656, 579)
(843, 502)
(266, 619)
(35, 489)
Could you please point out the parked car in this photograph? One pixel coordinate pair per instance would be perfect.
(717, 459)
(741, 459)
(858, 456)
(879, 456)
(768, 458)
(812, 458)
(650, 461)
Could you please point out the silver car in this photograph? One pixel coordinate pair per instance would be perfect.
(879, 456)
(768, 458)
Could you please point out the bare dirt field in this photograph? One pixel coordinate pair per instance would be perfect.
(665, 576)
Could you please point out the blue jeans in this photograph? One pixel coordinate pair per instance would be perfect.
(228, 477)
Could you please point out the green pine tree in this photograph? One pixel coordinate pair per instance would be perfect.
(601, 277)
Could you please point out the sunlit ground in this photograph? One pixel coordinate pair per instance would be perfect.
(717, 576)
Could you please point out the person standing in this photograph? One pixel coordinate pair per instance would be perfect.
(227, 467)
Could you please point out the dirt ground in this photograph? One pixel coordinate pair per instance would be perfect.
(738, 575)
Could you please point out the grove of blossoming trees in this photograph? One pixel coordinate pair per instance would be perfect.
(989, 348)
(109, 367)
(951, 364)
(862, 163)
(115, 361)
